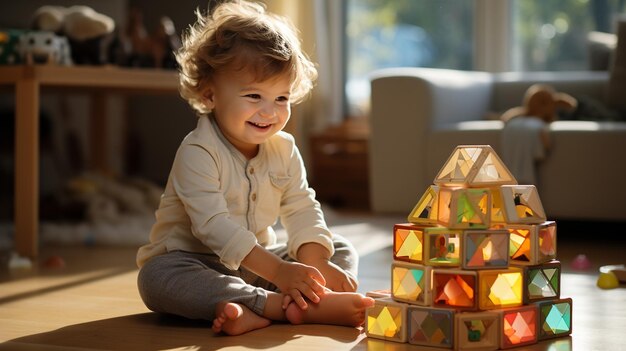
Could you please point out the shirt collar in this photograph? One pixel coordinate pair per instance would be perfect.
(236, 153)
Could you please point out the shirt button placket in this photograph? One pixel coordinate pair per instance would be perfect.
(253, 195)
(252, 199)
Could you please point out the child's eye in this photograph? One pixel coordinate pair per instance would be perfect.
(254, 96)
(282, 99)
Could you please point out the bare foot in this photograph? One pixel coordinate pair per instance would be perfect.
(235, 319)
(341, 308)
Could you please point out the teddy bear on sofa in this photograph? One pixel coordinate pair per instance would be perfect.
(526, 132)
(541, 105)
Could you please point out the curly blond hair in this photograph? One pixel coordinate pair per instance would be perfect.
(242, 35)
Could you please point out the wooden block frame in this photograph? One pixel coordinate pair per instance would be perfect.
(430, 326)
(497, 207)
(485, 249)
(377, 294)
(464, 208)
(542, 282)
(541, 246)
(464, 284)
(477, 331)
(513, 333)
(506, 285)
(408, 242)
(548, 325)
(410, 283)
(386, 320)
(425, 211)
(442, 247)
(522, 204)
(474, 166)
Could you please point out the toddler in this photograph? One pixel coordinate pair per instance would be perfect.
(213, 253)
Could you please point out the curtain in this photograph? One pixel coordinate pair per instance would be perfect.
(320, 23)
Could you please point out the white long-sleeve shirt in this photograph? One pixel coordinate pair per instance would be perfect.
(217, 201)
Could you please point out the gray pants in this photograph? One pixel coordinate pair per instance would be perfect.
(191, 284)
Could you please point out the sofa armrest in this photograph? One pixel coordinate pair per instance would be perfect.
(406, 105)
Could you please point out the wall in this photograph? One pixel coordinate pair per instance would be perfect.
(157, 123)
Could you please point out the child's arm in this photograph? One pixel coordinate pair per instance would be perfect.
(318, 256)
(292, 278)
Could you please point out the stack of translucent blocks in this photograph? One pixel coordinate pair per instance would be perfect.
(475, 268)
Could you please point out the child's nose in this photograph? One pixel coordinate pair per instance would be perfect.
(268, 111)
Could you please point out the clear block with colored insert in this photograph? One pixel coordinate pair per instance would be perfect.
(442, 247)
(555, 318)
(522, 204)
(518, 326)
(532, 244)
(408, 242)
(497, 207)
(542, 282)
(431, 326)
(425, 211)
(474, 166)
(500, 288)
(464, 208)
(386, 320)
(410, 283)
(477, 331)
(453, 288)
(483, 249)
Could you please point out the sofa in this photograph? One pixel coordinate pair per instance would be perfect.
(419, 115)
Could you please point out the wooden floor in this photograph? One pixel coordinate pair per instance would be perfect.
(93, 304)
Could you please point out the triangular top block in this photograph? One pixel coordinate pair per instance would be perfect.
(474, 166)
(425, 211)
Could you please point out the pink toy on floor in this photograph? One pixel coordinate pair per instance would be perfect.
(580, 263)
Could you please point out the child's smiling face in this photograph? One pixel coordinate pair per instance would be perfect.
(249, 112)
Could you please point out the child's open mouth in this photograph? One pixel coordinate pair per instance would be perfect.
(260, 125)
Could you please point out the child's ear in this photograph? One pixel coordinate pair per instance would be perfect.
(209, 98)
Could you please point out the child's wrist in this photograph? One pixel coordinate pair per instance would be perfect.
(313, 253)
(315, 261)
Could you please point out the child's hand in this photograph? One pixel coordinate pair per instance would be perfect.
(336, 278)
(297, 280)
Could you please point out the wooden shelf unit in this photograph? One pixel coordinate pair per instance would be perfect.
(28, 81)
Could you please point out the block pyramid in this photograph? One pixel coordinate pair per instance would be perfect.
(475, 267)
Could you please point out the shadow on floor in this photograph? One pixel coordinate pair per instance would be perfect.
(152, 331)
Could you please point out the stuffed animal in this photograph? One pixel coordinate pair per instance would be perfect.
(44, 47)
(90, 34)
(541, 105)
(541, 101)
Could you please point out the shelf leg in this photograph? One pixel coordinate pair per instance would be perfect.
(27, 167)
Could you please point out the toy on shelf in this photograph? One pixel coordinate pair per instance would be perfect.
(151, 50)
(475, 268)
(9, 46)
(90, 34)
(44, 47)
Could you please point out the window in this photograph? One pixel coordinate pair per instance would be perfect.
(553, 35)
(513, 35)
(392, 33)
